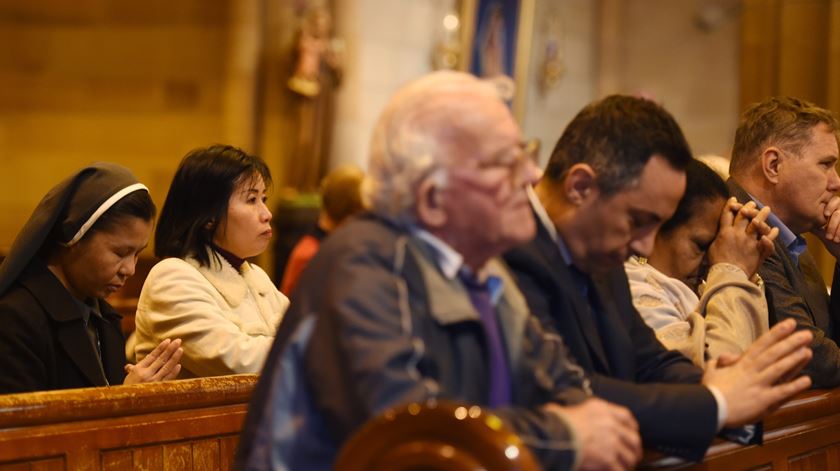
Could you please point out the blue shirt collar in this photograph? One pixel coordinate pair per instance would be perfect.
(794, 243)
(451, 263)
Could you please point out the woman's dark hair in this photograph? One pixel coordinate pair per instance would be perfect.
(702, 185)
(198, 197)
(137, 204)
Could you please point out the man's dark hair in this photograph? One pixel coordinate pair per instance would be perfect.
(617, 136)
(781, 121)
(702, 184)
(198, 197)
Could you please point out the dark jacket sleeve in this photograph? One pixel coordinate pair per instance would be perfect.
(654, 362)
(22, 348)
(676, 414)
(366, 326)
(677, 419)
(785, 301)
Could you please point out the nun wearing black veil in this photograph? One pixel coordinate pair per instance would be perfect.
(80, 245)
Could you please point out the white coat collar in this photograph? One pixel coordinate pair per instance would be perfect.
(230, 283)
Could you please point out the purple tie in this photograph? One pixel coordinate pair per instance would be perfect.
(499, 371)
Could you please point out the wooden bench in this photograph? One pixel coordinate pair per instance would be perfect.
(186, 424)
(194, 424)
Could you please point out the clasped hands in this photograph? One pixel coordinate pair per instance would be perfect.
(767, 374)
(744, 238)
(163, 363)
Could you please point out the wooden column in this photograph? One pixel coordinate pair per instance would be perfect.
(241, 87)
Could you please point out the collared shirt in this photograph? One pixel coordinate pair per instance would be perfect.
(451, 262)
(794, 243)
(548, 224)
(545, 220)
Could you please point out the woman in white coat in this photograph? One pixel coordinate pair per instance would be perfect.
(204, 291)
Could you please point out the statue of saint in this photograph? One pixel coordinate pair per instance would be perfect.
(319, 55)
(316, 74)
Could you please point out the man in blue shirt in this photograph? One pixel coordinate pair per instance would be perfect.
(785, 157)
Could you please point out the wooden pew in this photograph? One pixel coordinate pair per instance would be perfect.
(436, 436)
(194, 424)
(804, 434)
(186, 424)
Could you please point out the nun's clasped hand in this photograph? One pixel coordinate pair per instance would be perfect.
(162, 364)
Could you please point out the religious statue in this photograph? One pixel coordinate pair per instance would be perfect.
(319, 55)
(316, 73)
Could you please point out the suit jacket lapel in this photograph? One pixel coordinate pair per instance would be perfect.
(70, 328)
(74, 340)
(614, 333)
(569, 292)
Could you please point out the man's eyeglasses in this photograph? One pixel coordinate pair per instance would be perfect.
(526, 152)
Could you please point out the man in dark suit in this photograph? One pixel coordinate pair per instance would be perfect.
(785, 157)
(616, 174)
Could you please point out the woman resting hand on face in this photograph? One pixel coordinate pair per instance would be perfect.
(708, 229)
(204, 291)
(79, 246)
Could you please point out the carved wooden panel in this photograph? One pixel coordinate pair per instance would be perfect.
(823, 459)
(181, 425)
(49, 464)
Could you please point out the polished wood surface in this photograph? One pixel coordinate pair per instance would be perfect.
(436, 436)
(194, 424)
(187, 424)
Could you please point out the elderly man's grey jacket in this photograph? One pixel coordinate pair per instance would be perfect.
(374, 324)
(797, 291)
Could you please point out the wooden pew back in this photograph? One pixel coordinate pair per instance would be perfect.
(187, 424)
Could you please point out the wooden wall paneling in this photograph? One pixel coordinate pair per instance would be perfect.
(759, 50)
(833, 59)
(138, 84)
(803, 49)
(241, 88)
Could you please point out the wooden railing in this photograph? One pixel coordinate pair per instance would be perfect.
(187, 424)
(194, 424)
